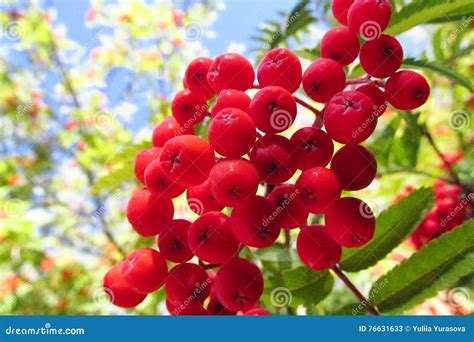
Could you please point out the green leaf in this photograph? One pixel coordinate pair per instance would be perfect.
(383, 143)
(438, 265)
(393, 226)
(424, 11)
(306, 286)
(406, 146)
(440, 69)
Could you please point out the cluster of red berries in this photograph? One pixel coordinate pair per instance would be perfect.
(243, 132)
(449, 211)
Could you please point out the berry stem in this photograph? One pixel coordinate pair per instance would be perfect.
(452, 173)
(360, 80)
(372, 310)
(287, 238)
(319, 117)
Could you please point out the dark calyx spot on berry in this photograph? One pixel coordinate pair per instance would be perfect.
(348, 103)
(418, 93)
(281, 202)
(185, 108)
(198, 76)
(263, 232)
(228, 117)
(161, 182)
(272, 106)
(203, 234)
(334, 56)
(388, 51)
(273, 167)
(310, 145)
(175, 245)
(275, 61)
(308, 195)
(315, 86)
(239, 298)
(234, 191)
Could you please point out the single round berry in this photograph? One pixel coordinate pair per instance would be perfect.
(273, 109)
(322, 79)
(355, 167)
(349, 117)
(230, 70)
(407, 90)
(311, 147)
(118, 291)
(187, 160)
(280, 67)
(239, 284)
(201, 200)
(369, 18)
(232, 133)
(256, 222)
(316, 248)
(158, 182)
(215, 307)
(187, 283)
(289, 206)
(173, 241)
(233, 181)
(148, 213)
(341, 45)
(210, 238)
(142, 159)
(350, 222)
(340, 8)
(145, 270)
(272, 156)
(319, 188)
(168, 129)
(231, 98)
(378, 97)
(195, 77)
(188, 108)
(381, 57)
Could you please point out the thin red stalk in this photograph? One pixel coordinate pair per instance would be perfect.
(372, 310)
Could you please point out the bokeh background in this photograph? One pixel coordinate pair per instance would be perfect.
(83, 83)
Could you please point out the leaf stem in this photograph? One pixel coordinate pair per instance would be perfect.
(372, 310)
(319, 116)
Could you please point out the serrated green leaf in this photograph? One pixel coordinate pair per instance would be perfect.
(424, 11)
(407, 145)
(127, 154)
(435, 267)
(306, 286)
(383, 143)
(393, 226)
(440, 69)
